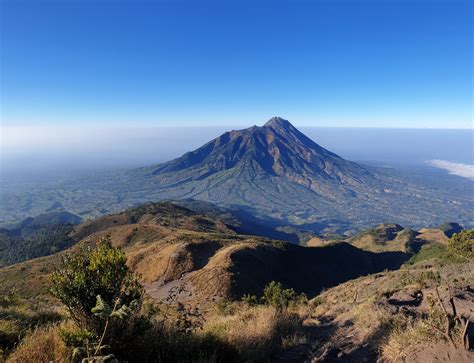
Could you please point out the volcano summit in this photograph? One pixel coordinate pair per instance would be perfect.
(276, 171)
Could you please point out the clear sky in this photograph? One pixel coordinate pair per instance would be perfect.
(381, 63)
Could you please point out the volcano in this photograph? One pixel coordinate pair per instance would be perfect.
(273, 174)
(273, 170)
(277, 149)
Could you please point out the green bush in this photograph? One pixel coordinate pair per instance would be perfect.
(91, 272)
(225, 307)
(250, 300)
(275, 295)
(102, 297)
(462, 244)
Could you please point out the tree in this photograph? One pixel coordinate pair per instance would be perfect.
(99, 291)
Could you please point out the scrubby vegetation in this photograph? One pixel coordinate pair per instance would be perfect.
(460, 248)
(103, 300)
(18, 319)
(105, 317)
(144, 287)
(462, 244)
(276, 296)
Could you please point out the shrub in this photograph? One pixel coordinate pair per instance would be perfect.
(462, 243)
(250, 300)
(225, 307)
(275, 295)
(9, 299)
(99, 291)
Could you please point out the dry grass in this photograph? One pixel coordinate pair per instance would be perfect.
(359, 309)
(367, 317)
(432, 235)
(240, 333)
(406, 335)
(42, 345)
(258, 332)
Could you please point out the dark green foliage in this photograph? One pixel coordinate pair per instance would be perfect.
(250, 300)
(462, 244)
(96, 285)
(91, 272)
(275, 295)
(225, 307)
(31, 241)
(9, 299)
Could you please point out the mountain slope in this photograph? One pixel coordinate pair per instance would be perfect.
(277, 149)
(169, 246)
(35, 237)
(276, 171)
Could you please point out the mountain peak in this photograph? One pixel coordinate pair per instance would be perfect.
(276, 149)
(278, 122)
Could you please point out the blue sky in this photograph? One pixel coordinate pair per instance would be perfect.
(320, 63)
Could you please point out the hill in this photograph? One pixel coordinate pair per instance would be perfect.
(35, 237)
(394, 316)
(393, 237)
(198, 271)
(168, 245)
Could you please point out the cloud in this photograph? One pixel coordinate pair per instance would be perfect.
(463, 170)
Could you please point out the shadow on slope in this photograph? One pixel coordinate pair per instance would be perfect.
(245, 220)
(306, 269)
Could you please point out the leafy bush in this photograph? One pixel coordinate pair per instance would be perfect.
(275, 295)
(250, 300)
(225, 307)
(91, 272)
(462, 244)
(99, 292)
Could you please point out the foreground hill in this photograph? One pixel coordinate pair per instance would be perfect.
(204, 283)
(169, 245)
(395, 316)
